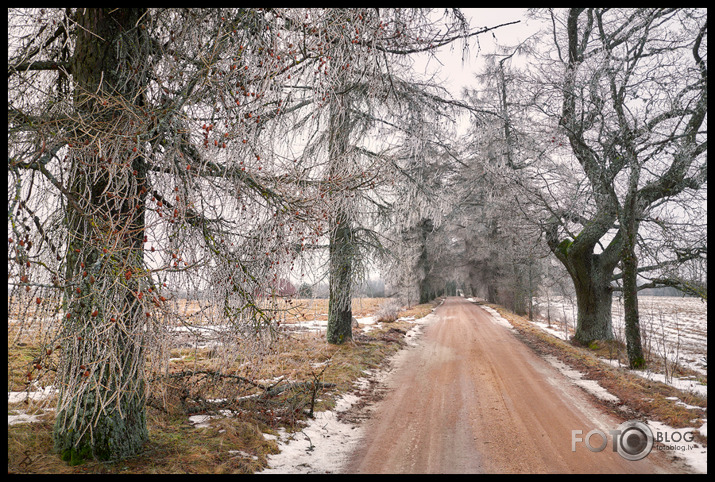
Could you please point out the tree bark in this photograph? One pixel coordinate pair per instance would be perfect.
(630, 305)
(342, 249)
(340, 314)
(101, 407)
(594, 296)
(629, 266)
(591, 275)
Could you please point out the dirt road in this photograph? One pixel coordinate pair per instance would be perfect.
(473, 398)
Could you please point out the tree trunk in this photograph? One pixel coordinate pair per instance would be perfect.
(340, 314)
(531, 291)
(492, 292)
(342, 249)
(424, 291)
(591, 275)
(424, 228)
(593, 298)
(629, 266)
(630, 308)
(101, 406)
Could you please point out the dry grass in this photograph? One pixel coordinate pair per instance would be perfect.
(229, 445)
(640, 398)
(293, 311)
(418, 311)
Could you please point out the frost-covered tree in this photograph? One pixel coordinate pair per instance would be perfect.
(372, 103)
(143, 163)
(634, 107)
(610, 138)
(161, 153)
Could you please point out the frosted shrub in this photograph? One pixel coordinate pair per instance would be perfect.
(388, 311)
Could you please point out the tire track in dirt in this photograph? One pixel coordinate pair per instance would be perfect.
(471, 397)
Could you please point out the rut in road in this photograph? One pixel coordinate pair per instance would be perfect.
(471, 397)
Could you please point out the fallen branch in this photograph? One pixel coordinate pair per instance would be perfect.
(297, 385)
(268, 391)
(217, 374)
(200, 405)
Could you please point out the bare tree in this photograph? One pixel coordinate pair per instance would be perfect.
(375, 99)
(633, 62)
(611, 133)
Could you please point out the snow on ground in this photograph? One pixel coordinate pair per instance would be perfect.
(38, 395)
(23, 418)
(35, 395)
(672, 326)
(591, 386)
(675, 326)
(679, 322)
(323, 445)
(367, 324)
(320, 447)
(686, 384)
(498, 319)
(679, 444)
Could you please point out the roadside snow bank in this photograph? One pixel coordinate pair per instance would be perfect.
(678, 444)
(498, 319)
(576, 376)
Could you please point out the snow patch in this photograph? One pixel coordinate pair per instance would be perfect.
(675, 443)
(564, 335)
(498, 319)
(202, 421)
(20, 416)
(23, 418)
(320, 447)
(35, 396)
(576, 376)
(241, 453)
(686, 384)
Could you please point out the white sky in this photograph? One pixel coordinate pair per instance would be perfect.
(458, 74)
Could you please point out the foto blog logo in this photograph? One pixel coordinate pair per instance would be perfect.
(633, 440)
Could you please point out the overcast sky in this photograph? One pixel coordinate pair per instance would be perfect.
(456, 73)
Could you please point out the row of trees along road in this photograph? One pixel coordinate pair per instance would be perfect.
(588, 142)
(201, 151)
